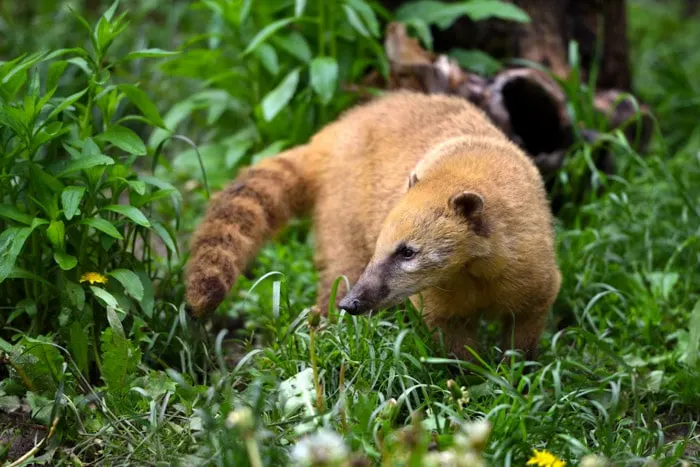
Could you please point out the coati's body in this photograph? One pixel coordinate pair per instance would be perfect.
(475, 217)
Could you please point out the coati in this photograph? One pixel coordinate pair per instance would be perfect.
(410, 194)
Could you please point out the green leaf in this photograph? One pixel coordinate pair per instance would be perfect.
(166, 237)
(70, 199)
(56, 233)
(445, 14)
(268, 57)
(109, 14)
(76, 294)
(87, 162)
(476, 61)
(295, 44)
(106, 297)
(78, 345)
(65, 103)
(120, 359)
(130, 281)
(130, 212)
(11, 243)
(64, 260)
(150, 53)
(40, 362)
(324, 77)
(265, 33)
(103, 226)
(148, 300)
(10, 212)
(123, 138)
(279, 97)
(141, 100)
(299, 6)
(367, 14)
(355, 21)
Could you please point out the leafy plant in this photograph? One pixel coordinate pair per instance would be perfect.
(77, 218)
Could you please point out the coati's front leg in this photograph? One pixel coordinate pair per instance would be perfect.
(458, 334)
(522, 331)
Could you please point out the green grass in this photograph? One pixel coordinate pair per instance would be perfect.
(619, 370)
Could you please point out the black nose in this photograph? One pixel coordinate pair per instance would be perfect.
(351, 305)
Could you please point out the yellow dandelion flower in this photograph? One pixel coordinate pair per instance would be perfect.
(545, 458)
(93, 278)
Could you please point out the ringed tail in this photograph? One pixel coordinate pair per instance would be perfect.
(239, 219)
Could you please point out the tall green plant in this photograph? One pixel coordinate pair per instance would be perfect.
(76, 217)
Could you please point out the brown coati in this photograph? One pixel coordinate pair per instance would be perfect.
(410, 194)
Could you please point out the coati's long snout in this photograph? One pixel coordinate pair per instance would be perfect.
(369, 293)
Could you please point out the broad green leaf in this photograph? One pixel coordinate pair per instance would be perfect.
(279, 97)
(114, 321)
(124, 139)
(476, 61)
(141, 100)
(268, 57)
(76, 294)
(56, 233)
(87, 162)
(130, 212)
(130, 281)
(64, 260)
(11, 242)
(40, 362)
(148, 300)
(120, 359)
(445, 14)
(10, 212)
(103, 226)
(149, 53)
(70, 199)
(79, 346)
(137, 185)
(324, 77)
(295, 44)
(265, 33)
(106, 297)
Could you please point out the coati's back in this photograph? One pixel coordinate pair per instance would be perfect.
(373, 148)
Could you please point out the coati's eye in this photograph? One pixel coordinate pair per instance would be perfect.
(405, 252)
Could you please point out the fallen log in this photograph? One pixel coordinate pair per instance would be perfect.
(526, 103)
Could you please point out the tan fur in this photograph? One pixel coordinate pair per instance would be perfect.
(491, 250)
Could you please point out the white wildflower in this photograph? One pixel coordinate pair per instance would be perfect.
(323, 447)
(593, 460)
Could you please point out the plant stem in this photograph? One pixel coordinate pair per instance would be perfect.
(253, 451)
(314, 365)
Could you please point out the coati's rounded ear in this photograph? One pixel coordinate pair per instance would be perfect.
(412, 179)
(470, 206)
(467, 204)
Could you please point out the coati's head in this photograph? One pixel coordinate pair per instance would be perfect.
(427, 238)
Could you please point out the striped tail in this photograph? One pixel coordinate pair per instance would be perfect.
(240, 219)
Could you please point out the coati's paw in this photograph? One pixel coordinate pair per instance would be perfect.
(205, 294)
